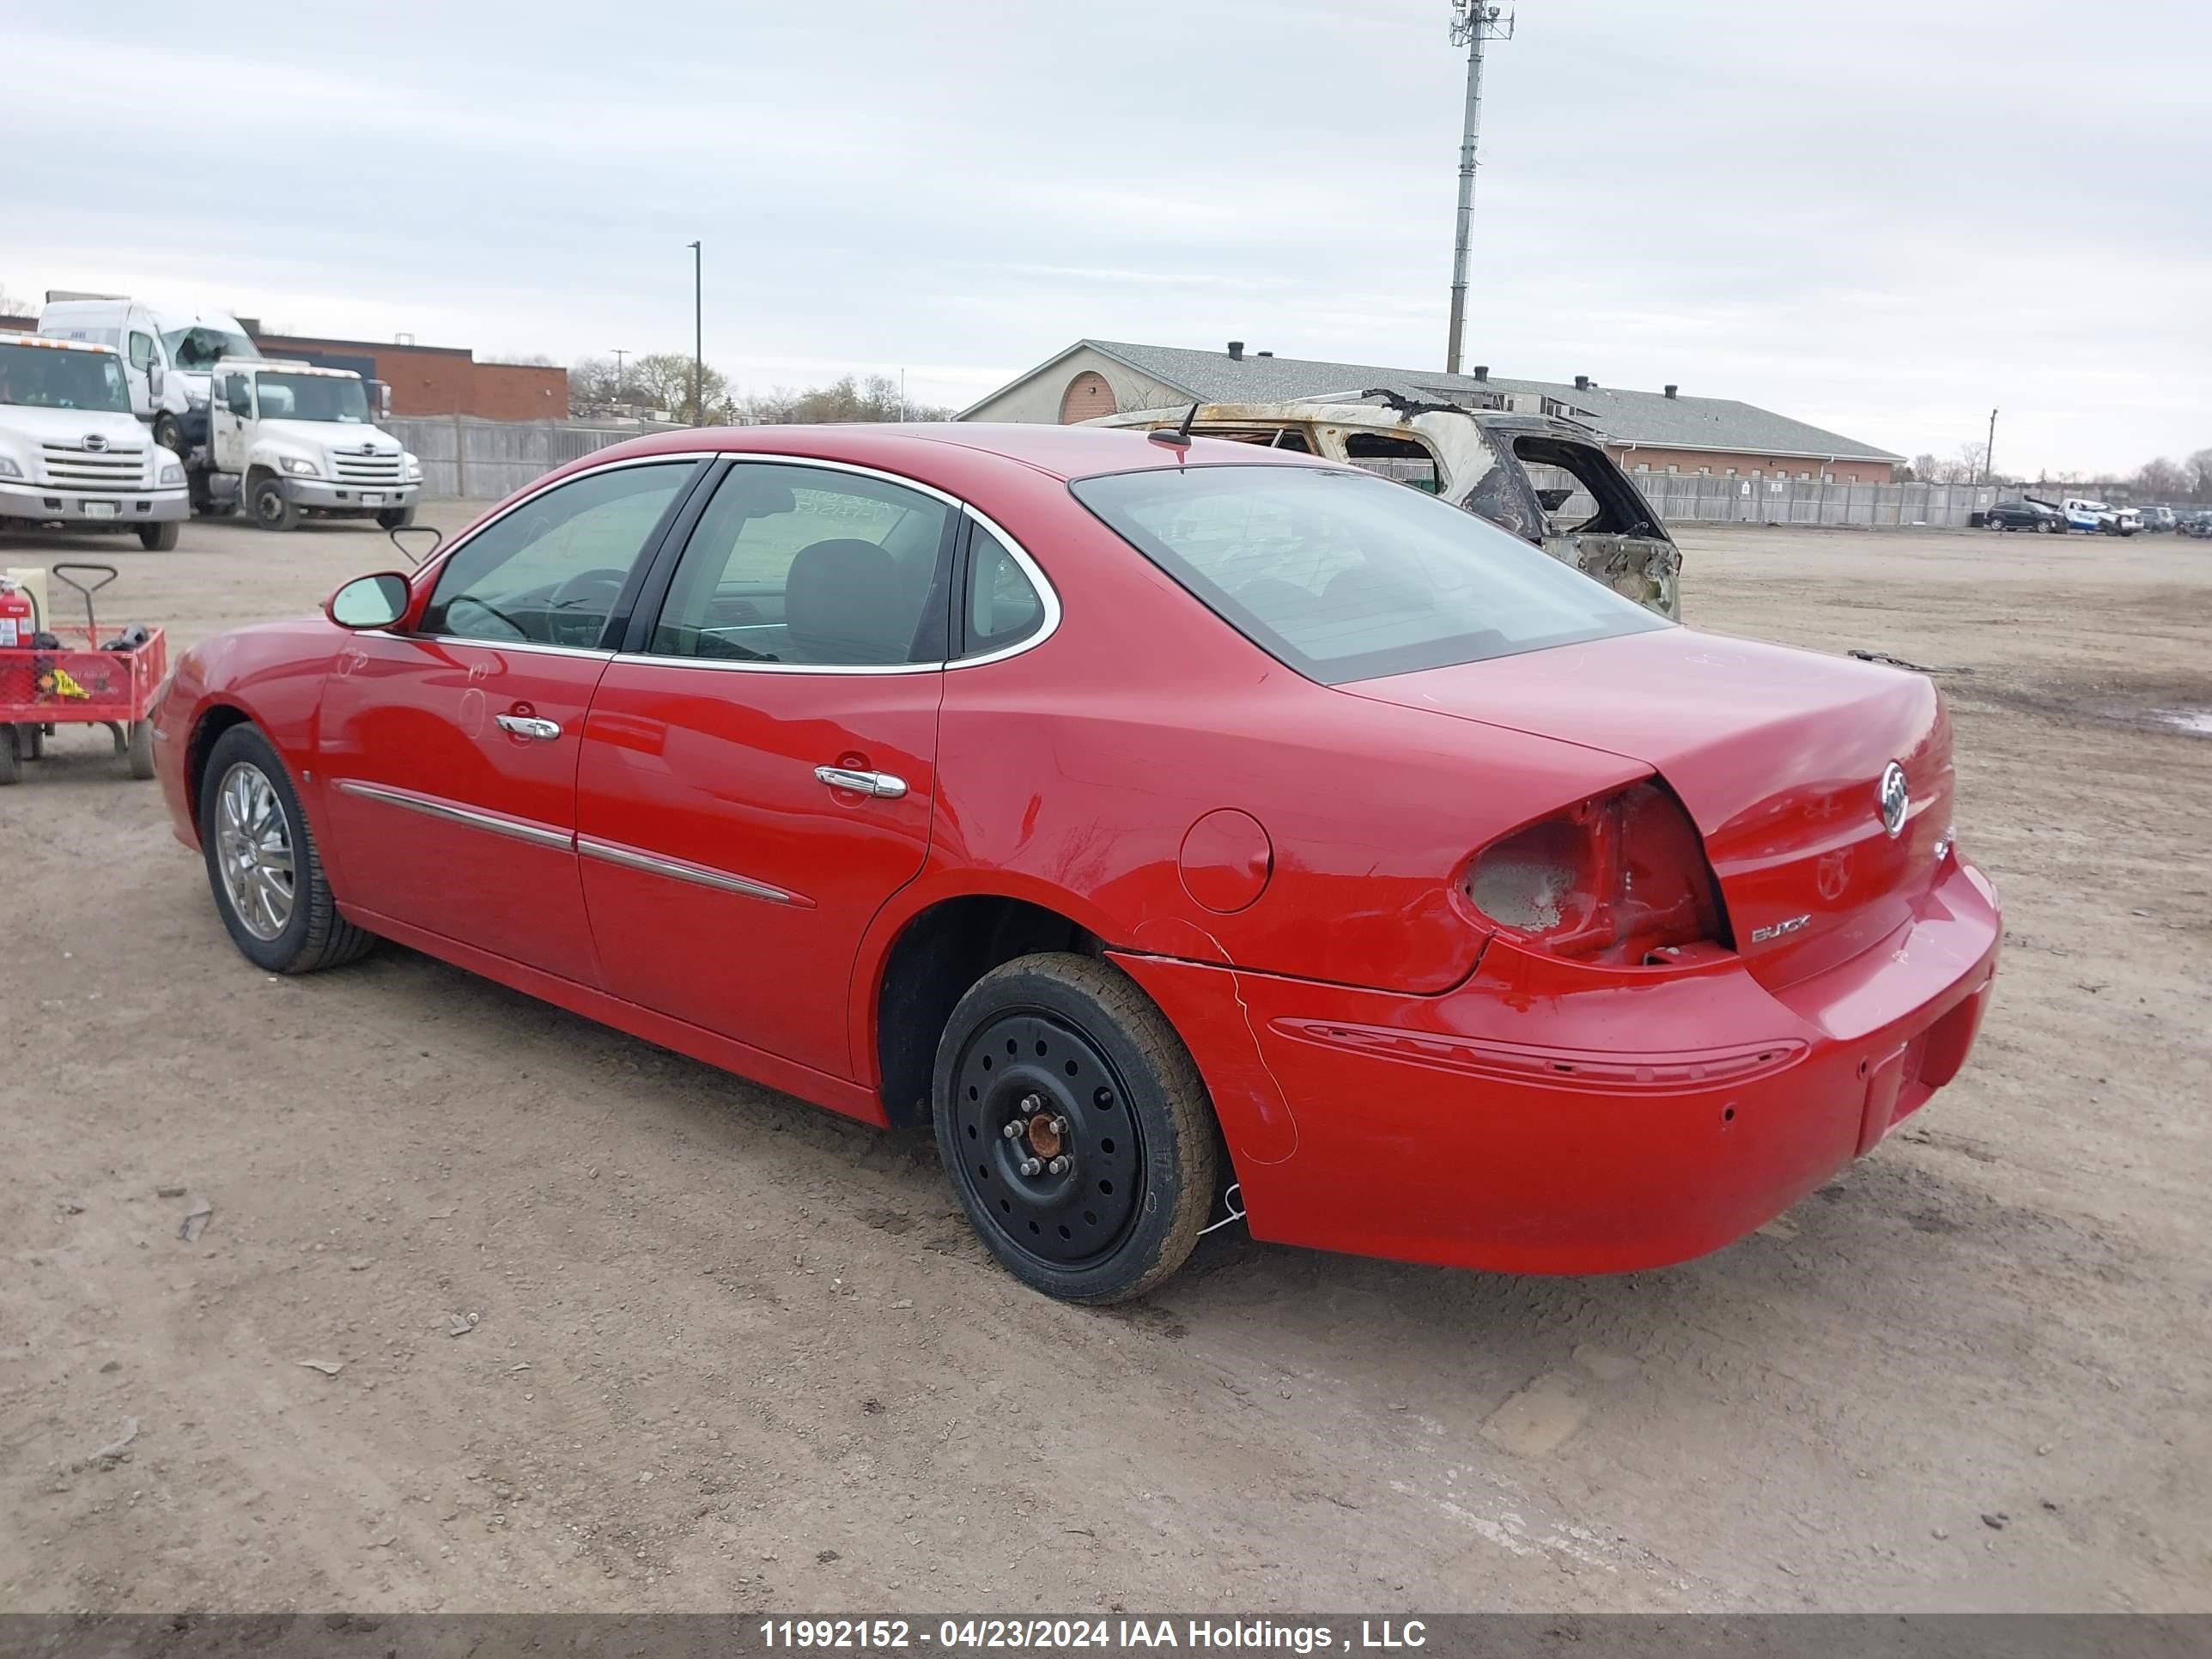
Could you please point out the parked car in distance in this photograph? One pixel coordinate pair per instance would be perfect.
(2198, 523)
(2026, 514)
(1547, 480)
(1147, 816)
(2156, 520)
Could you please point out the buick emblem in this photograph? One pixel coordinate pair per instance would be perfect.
(1896, 799)
(94, 440)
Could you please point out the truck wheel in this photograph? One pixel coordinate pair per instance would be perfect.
(271, 509)
(158, 538)
(170, 434)
(396, 518)
(10, 768)
(1074, 1128)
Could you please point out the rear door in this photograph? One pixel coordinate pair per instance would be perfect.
(449, 750)
(759, 768)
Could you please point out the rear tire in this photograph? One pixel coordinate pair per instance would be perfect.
(396, 518)
(262, 864)
(271, 509)
(1068, 1050)
(10, 768)
(158, 538)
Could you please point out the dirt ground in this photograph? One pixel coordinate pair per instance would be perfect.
(729, 1352)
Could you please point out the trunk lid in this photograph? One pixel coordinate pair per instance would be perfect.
(1778, 755)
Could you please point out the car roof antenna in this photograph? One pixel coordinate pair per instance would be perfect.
(1178, 439)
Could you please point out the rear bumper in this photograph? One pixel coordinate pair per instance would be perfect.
(1516, 1126)
(59, 504)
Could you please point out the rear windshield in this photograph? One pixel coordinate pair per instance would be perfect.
(1344, 576)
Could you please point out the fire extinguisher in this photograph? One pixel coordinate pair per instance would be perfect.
(18, 616)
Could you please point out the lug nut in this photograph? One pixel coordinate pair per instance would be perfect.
(1012, 1131)
(1058, 1166)
(1032, 1104)
(1060, 1126)
(1030, 1166)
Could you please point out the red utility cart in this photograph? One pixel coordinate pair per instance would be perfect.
(79, 683)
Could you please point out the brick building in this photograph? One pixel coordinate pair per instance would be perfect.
(1644, 431)
(434, 379)
(424, 379)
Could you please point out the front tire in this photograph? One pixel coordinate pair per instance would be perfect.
(158, 538)
(1072, 1055)
(270, 506)
(169, 433)
(396, 518)
(266, 877)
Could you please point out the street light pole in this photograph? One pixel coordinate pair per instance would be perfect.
(619, 382)
(698, 335)
(1990, 452)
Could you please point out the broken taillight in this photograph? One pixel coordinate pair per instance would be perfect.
(1620, 878)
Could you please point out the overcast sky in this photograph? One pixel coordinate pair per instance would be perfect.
(1883, 218)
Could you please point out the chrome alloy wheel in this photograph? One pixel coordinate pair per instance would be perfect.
(254, 849)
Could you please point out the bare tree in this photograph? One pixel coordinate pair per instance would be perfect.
(662, 380)
(12, 307)
(877, 397)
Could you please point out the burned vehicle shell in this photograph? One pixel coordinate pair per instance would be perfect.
(1547, 480)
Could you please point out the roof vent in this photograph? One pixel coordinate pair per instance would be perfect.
(1263, 353)
(1671, 390)
(1236, 351)
(1582, 383)
(1482, 371)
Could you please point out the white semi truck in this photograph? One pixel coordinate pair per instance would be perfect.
(167, 354)
(285, 439)
(73, 455)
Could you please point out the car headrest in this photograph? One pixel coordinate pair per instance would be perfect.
(843, 603)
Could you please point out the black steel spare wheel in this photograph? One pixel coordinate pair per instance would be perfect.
(1074, 1128)
(1050, 1143)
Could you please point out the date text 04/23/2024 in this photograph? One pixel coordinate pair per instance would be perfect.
(1097, 1635)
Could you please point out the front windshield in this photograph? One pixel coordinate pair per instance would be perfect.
(313, 397)
(1345, 576)
(47, 377)
(202, 346)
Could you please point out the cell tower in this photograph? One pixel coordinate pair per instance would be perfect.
(1474, 22)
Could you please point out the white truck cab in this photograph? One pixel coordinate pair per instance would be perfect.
(2099, 518)
(184, 343)
(73, 455)
(286, 438)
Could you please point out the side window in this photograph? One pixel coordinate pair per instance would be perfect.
(142, 350)
(238, 395)
(1002, 606)
(550, 572)
(1405, 459)
(805, 565)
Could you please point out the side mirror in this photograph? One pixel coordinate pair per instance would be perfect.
(154, 380)
(383, 400)
(375, 601)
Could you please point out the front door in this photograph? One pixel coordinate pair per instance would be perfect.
(449, 748)
(757, 779)
(230, 409)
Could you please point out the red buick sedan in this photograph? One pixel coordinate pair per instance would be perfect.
(1175, 827)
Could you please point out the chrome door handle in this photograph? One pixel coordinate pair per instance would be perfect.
(523, 726)
(882, 785)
